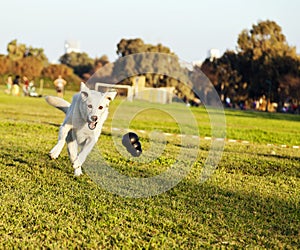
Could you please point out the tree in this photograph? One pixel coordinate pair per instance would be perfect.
(28, 66)
(289, 79)
(23, 60)
(263, 65)
(18, 51)
(225, 74)
(37, 53)
(230, 80)
(261, 48)
(133, 46)
(81, 63)
(100, 62)
(265, 39)
(5, 65)
(149, 64)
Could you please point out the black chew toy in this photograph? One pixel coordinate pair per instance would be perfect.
(131, 142)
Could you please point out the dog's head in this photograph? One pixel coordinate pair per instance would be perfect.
(95, 105)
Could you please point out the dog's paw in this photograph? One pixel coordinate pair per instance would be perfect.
(53, 155)
(77, 171)
(76, 163)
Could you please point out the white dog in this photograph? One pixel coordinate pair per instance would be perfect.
(82, 125)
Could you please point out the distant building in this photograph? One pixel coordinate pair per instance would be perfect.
(72, 46)
(197, 63)
(214, 54)
(161, 95)
(138, 91)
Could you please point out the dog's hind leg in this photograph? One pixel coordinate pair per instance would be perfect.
(72, 146)
(63, 132)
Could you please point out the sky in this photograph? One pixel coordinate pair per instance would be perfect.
(190, 28)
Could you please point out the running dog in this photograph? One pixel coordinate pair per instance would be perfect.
(82, 125)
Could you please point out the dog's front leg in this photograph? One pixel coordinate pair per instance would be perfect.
(63, 132)
(86, 149)
(72, 146)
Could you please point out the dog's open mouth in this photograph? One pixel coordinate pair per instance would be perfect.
(92, 125)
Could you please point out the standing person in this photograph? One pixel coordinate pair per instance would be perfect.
(16, 86)
(9, 83)
(59, 84)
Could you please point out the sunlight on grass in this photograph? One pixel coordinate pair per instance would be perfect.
(251, 201)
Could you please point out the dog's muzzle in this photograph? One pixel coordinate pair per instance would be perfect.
(93, 123)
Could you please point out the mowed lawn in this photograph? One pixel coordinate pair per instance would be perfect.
(252, 200)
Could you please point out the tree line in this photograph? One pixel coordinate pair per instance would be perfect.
(33, 63)
(264, 65)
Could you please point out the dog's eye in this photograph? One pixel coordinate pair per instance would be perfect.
(100, 107)
(90, 106)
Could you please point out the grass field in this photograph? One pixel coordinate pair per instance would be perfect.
(251, 201)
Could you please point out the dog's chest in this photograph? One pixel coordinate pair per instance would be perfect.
(85, 133)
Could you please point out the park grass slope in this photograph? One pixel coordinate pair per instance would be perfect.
(251, 201)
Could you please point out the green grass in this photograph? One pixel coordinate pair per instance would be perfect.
(251, 201)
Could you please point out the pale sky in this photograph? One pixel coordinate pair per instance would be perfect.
(189, 28)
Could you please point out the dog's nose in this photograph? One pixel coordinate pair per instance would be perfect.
(94, 118)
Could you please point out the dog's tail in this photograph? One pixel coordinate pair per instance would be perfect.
(58, 102)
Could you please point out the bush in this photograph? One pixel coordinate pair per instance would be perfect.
(51, 72)
(5, 65)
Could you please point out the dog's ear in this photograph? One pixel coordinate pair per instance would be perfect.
(111, 95)
(84, 91)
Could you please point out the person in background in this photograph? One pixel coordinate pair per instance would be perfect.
(25, 86)
(16, 86)
(59, 84)
(228, 102)
(9, 83)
